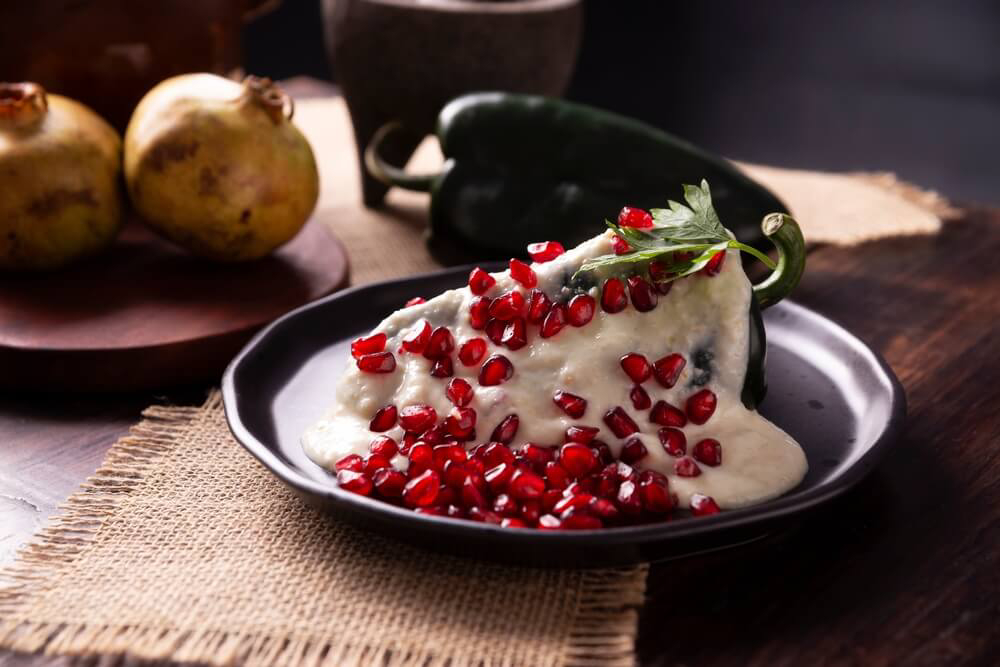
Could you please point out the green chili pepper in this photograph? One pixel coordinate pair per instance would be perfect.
(523, 168)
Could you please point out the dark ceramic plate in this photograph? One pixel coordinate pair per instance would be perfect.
(828, 390)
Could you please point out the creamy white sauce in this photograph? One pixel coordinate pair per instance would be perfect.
(759, 460)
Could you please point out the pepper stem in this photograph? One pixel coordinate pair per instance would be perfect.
(387, 173)
(22, 104)
(786, 236)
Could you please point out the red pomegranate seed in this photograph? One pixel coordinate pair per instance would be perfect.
(512, 522)
(654, 491)
(665, 414)
(461, 422)
(496, 370)
(446, 496)
(384, 419)
(515, 335)
(415, 301)
(643, 296)
(536, 455)
(506, 429)
(584, 485)
(525, 485)
(417, 338)
(602, 451)
(379, 362)
(417, 418)
(453, 511)
(550, 498)
(549, 522)
(636, 367)
(355, 482)
(435, 435)
(702, 505)
(707, 451)
(530, 511)
(498, 477)
(668, 369)
(480, 282)
(701, 406)
(554, 321)
(523, 273)
(409, 439)
(620, 423)
(421, 457)
(389, 483)
(484, 516)
(495, 330)
(507, 306)
(633, 451)
(455, 473)
(442, 368)
(440, 344)
(577, 459)
(504, 505)
(674, 441)
(479, 312)
(715, 264)
(459, 392)
(578, 501)
(422, 490)
(660, 276)
(620, 245)
(582, 434)
(471, 495)
(571, 404)
(628, 499)
(580, 310)
(372, 344)
(685, 467)
(635, 217)
(604, 509)
(472, 351)
(495, 453)
(383, 446)
(640, 399)
(539, 305)
(350, 462)
(580, 520)
(556, 475)
(613, 299)
(545, 251)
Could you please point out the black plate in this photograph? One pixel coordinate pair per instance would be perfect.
(828, 390)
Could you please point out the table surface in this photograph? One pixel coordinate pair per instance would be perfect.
(905, 569)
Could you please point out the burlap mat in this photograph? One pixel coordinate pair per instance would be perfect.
(182, 547)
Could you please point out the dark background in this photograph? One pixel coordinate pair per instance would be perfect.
(911, 86)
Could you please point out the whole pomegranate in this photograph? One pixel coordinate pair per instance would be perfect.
(60, 193)
(218, 167)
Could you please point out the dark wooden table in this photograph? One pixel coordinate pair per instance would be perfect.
(905, 569)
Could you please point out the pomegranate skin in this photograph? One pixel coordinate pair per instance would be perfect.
(60, 173)
(218, 167)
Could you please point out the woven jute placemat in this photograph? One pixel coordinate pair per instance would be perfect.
(183, 548)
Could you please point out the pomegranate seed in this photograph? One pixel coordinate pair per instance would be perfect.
(442, 368)
(523, 273)
(515, 335)
(620, 423)
(471, 496)
(643, 296)
(556, 475)
(480, 282)
(506, 429)
(496, 370)
(620, 245)
(507, 306)
(702, 505)
(417, 338)
(422, 490)
(640, 399)
(660, 276)
(604, 509)
(668, 369)
(355, 482)
(421, 457)
(417, 418)
(495, 330)
(495, 453)
(409, 439)
(569, 403)
(379, 362)
(525, 485)
(384, 419)
(633, 451)
(389, 483)
(577, 459)
(674, 442)
(484, 516)
(530, 511)
(455, 473)
(654, 491)
(685, 467)
(635, 217)
(585, 485)
(499, 476)
(504, 505)
(613, 299)
(636, 367)
(550, 498)
(450, 451)
(472, 351)
(459, 392)
(461, 422)
(665, 414)
(579, 501)
(628, 499)
(683, 257)
(715, 264)
(446, 496)
(707, 451)
(580, 520)
(539, 305)
(701, 406)
(435, 435)
(440, 344)
(549, 522)
(383, 446)
(545, 251)
(415, 301)
(370, 345)
(582, 434)
(554, 321)
(622, 471)
(479, 312)
(536, 455)
(602, 451)
(453, 511)
(581, 309)
(512, 522)
(350, 462)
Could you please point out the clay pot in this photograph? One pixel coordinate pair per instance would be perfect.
(402, 60)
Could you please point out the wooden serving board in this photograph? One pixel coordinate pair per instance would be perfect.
(147, 315)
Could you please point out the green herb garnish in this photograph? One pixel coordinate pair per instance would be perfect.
(683, 237)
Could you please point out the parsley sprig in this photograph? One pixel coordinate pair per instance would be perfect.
(683, 237)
